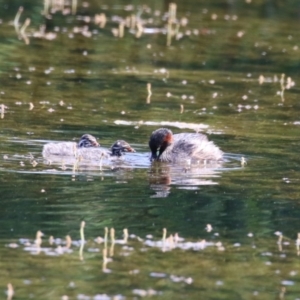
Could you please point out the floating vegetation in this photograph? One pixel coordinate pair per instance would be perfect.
(166, 243)
(74, 7)
(171, 21)
(2, 110)
(82, 240)
(285, 85)
(117, 255)
(149, 93)
(16, 20)
(133, 23)
(243, 161)
(66, 7)
(10, 291)
(181, 108)
(21, 32)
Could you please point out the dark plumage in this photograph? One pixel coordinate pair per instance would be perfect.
(87, 140)
(182, 147)
(120, 147)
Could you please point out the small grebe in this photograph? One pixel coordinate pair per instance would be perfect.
(87, 148)
(87, 140)
(182, 147)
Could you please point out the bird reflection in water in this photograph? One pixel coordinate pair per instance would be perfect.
(163, 175)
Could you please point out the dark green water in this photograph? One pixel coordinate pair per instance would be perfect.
(208, 80)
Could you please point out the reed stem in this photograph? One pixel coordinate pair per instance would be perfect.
(16, 20)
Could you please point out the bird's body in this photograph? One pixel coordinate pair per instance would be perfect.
(182, 147)
(87, 148)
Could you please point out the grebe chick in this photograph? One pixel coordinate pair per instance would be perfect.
(87, 140)
(119, 148)
(87, 148)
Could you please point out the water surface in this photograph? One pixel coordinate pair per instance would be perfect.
(220, 75)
